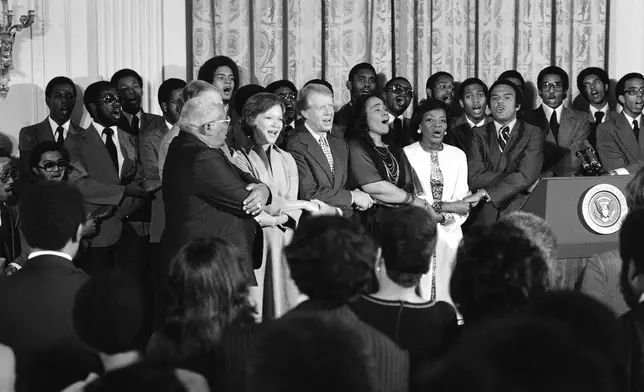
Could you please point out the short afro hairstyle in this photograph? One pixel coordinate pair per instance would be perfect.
(50, 215)
(167, 87)
(586, 72)
(108, 313)
(57, 81)
(331, 259)
(469, 82)
(433, 79)
(554, 70)
(274, 86)
(124, 73)
(43, 147)
(208, 69)
(359, 67)
(243, 95)
(621, 83)
(512, 73)
(93, 91)
(504, 82)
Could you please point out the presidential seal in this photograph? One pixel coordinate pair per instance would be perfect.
(604, 208)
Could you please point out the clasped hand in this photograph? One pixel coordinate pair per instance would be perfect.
(474, 199)
(257, 198)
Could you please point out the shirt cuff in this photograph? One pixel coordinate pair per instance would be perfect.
(621, 171)
(351, 192)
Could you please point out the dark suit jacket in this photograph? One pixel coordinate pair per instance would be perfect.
(403, 138)
(559, 158)
(147, 120)
(100, 183)
(507, 175)
(202, 196)
(36, 306)
(592, 138)
(460, 135)
(31, 135)
(316, 179)
(149, 141)
(617, 146)
(633, 322)
(392, 363)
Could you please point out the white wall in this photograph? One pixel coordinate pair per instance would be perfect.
(88, 40)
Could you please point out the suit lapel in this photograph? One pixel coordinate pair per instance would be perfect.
(128, 150)
(516, 142)
(96, 156)
(565, 127)
(44, 131)
(313, 147)
(493, 144)
(625, 133)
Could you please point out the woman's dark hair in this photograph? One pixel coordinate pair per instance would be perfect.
(426, 106)
(207, 290)
(359, 128)
(256, 105)
(331, 259)
(207, 70)
(497, 271)
(408, 241)
(39, 150)
(243, 95)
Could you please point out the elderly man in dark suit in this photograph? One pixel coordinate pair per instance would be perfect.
(321, 157)
(60, 97)
(506, 155)
(472, 96)
(620, 147)
(36, 302)
(204, 193)
(112, 176)
(134, 120)
(565, 129)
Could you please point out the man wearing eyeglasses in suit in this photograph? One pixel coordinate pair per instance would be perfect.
(397, 97)
(619, 144)
(564, 128)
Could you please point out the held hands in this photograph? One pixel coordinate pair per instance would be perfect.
(361, 200)
(257, 198)
(435, 215)
(458, 207)
(90, 228)
(474, 199)
(323, 209)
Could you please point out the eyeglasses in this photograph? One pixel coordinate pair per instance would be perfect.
(546, 86)
(110, 99)
(634, 91)
(398, 89)
(287, 96)
(51, 166)
(216, 122)
(324, 108)
(12, 174)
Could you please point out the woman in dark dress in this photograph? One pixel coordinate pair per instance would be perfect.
(376, 168)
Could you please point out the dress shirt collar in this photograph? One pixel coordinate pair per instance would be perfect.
(49, 252)
(604, 109)
(548, 111)
(129, 116)
(473, 125)
(291, 124)
(167, 124)
(510, 126)
(100, 128)
(54, 126)
(316, 136)
(630, 120)
(392, 118)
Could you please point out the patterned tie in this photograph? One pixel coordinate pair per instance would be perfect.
(503, 137)
(327, 152)
(111, 147)
(554, 126)
(436, 177)
(60, 135)
(135, 126)
(636, 130)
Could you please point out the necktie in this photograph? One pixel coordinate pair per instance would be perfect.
(554, 126)
(135, 126)
(599, 116)
(111, 147)
(503, 137)
(60, 132)
(327, 152)
(398, 126)
(636, 130)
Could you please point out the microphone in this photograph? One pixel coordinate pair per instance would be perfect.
(592, 157)
(582, 156)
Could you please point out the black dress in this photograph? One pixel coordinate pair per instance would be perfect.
(370, 164)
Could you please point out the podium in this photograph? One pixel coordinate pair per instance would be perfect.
(585, 213)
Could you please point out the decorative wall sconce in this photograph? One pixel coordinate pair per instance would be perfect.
(8, 32)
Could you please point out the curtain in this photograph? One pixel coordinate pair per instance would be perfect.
(305, 39)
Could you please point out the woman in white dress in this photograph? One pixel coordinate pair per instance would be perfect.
(442, 171)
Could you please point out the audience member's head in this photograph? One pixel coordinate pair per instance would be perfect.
(9, 173)
(207, 290)
(315, 103)
(321, 82)
(103, 103)
(205, 117)
(142, 376)
(431, 114)
(243, 95)
(497, 271)
(362, 80)
(331, 259)
(407, 239)
(632, 255)
(312, 354)
(440, 86)
(635, 191)
(521, 354)
(198, 88)
(108, 314)
(169, 97)
(263, 118)
(60, 97)
(628, 91)
(553, 84)
(7, 369)
(370, 119)
(505, 100)
(593, 84)
(513, 76)
(536, 229)
(48, 161)
(286, 90)
(472, 96)
(398, 95)
(222, 72)
(129, 85)
(52, 216)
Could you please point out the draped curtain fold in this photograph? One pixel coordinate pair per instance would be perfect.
(305, 39)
